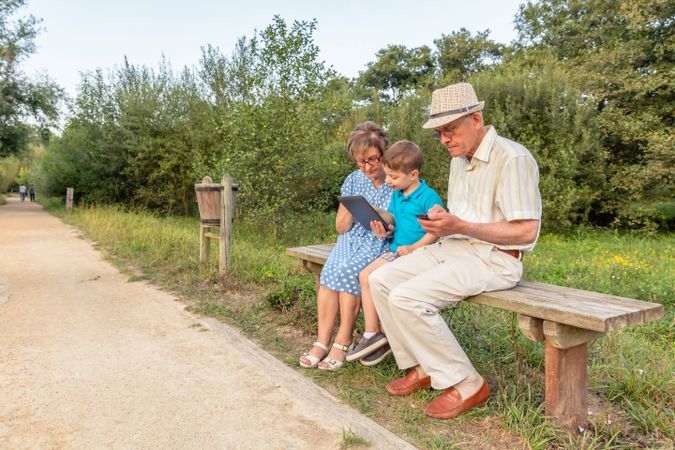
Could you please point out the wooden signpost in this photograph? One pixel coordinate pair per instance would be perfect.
(216, 210)
(70, 193)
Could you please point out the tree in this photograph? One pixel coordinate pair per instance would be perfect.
(398, 70)
(273, 134)
(620, 54)
(21, 99)
(461, 55)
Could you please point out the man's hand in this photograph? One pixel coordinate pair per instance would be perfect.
(441, 223)
(379, 230)
(514, 232)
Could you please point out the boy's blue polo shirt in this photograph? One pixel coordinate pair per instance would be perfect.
(404, 208)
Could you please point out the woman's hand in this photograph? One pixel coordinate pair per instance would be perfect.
(343, 220)
(379, 230)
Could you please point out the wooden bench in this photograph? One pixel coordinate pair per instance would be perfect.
(566, 319)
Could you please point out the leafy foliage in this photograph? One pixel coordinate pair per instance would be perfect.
(21, 98)
(398, 70)
(587, 88)
(461, 55)
(620, 55)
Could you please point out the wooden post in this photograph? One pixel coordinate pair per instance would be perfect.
(204, 247)
(70, 193)
(226, 216)
(566, 384)
(204, 243)
(565, 360)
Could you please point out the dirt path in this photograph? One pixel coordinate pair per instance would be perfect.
(89, 360)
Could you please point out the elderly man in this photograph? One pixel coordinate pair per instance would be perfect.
(493, 218)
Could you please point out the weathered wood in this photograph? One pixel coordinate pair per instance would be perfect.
(568, 306)
(312, 267)
(531, 327)
(224, 195)
(650, 311)
(70, 194)
(204, 247)
(565, 318)
(316, 253)
(563, 336)
(566, 384)
(209, 196)
(226, 216)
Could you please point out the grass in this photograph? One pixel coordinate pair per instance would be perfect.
(266, 295)
(352, 440)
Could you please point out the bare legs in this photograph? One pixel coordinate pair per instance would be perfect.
(328, 303)
(372, 320)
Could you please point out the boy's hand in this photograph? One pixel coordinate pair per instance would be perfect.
(379, 230)
(404, 250)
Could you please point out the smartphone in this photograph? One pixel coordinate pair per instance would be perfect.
(422, 216)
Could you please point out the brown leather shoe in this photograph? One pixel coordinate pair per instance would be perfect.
(410, 383)
(449, 404)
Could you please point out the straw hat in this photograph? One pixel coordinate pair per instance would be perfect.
(452, 102)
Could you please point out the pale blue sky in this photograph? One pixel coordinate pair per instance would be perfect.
(84, 35)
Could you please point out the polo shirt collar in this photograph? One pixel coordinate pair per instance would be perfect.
(417, 192)
(485, 148)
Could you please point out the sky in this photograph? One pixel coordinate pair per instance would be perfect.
(82, 36)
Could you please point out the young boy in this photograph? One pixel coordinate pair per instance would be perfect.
(411, 197)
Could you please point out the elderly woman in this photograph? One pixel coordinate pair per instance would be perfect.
(356, 247)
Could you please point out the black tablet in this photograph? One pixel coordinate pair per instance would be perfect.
(362, 211)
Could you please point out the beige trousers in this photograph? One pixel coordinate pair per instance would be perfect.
(410, 292)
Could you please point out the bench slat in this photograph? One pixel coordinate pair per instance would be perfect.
(636, 312)
(315, 253)
(596, 317)
(569, 306)
(651, 310)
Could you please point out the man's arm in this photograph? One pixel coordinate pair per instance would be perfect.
(515, 232)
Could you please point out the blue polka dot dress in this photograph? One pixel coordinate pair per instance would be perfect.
(356, 248)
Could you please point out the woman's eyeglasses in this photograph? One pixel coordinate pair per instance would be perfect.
(372, 161)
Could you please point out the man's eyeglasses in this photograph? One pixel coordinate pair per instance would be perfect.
(450, 130)
(372, 161)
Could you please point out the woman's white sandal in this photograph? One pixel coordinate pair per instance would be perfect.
(334, 364)
(313, 360)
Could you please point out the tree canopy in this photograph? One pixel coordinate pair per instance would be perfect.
(23, 103)
(587, 87)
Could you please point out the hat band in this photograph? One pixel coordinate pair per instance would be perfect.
(454, 111)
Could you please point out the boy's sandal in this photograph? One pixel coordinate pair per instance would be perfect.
(334, 364)
(313, 360)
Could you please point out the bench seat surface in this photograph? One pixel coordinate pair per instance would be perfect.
(568, 306)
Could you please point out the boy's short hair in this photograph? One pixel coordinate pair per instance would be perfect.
(403, 156)
(365, 136)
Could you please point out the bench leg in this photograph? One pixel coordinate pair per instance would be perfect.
(317, 282)
(566, 384)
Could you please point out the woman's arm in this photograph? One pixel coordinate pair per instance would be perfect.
(343, 220)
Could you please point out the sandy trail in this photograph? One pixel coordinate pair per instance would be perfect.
(89, 360)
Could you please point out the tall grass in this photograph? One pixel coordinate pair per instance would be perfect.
(631, 381)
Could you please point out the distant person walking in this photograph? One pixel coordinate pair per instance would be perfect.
(31, 191)
(22, 192)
